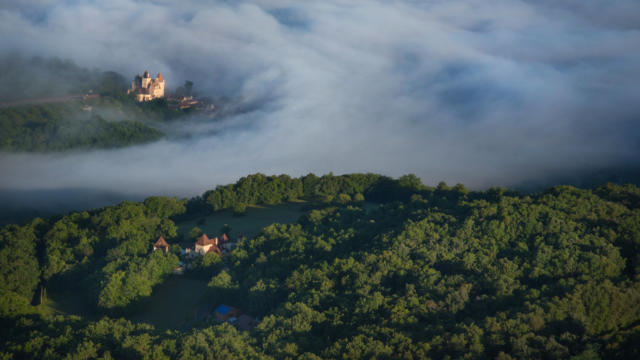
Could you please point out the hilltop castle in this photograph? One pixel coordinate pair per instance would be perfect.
(146, 88)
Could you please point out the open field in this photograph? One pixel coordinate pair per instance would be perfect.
(70, 302)
(250, 224)
(173, 303)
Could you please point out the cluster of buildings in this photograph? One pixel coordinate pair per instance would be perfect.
(147, 88)
(178, 102)
(202, 246)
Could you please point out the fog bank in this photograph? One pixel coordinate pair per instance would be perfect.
(482, 93)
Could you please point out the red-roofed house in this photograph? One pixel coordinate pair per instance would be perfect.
(205, 245)
(225, 243)
(161, 244)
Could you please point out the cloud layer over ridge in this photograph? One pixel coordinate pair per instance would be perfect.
(479, 92)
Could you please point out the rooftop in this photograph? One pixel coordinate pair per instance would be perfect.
(161, 242)
(204, 240)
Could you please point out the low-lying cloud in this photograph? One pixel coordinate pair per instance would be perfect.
(479, 92)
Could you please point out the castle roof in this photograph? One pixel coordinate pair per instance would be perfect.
(146, 74)
(159, 76)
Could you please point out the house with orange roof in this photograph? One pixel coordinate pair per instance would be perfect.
(226, 244)
(161, 244)
(204, 245)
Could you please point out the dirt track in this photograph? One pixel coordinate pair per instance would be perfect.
(57, 99)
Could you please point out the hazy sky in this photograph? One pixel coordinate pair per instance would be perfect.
(479, 92)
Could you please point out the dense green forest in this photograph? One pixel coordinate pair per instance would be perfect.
(375, 268)
(59, 127)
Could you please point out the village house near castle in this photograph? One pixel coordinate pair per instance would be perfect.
(146, 88)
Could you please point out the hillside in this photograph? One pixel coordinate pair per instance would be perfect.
(364, 267)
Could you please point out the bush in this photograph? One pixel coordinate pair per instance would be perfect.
(239, 209)
(195, 232)
(344, 198)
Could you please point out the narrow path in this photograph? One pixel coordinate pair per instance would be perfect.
(47, 100)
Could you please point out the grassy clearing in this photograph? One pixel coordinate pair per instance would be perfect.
(70, 302)
(173, 303)
(250, 224)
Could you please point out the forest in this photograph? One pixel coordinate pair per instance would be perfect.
(59, 127)
(375, 267)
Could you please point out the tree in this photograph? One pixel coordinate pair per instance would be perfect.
(164, 207)
(344, 198)
(225, 229)
(195, 233)
(240, 209)
(19, 268)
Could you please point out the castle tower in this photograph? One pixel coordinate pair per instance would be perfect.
(158, 86)
(146, 80)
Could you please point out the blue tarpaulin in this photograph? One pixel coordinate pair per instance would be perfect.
(222, 309)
